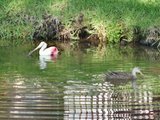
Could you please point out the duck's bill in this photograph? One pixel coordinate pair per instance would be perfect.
(142, 74)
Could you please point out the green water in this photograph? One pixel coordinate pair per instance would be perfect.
(73, 86)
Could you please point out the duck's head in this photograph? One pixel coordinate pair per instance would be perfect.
(135, 71)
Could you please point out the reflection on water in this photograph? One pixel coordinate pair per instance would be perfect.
(74, 87)
(107, 103)
(44, 59)
(22, 99)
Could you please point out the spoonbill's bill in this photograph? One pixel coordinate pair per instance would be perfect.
(44, 51)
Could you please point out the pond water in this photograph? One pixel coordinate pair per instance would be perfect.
(73, 85)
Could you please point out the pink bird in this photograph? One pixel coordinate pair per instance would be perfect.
(44, 51)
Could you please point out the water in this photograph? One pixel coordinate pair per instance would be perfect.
(73, 86)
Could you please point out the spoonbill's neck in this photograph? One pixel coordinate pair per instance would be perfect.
(42, 48)
(134, 73)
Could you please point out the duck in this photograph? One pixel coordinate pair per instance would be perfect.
(123, 75)
(44, 51)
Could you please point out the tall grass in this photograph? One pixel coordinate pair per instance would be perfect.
(110, 13)
(132, 12)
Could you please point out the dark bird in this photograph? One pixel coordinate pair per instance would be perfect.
(80, 18)
(123, 75)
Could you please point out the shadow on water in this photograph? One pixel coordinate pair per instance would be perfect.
(74, 87)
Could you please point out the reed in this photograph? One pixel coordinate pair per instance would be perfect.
(114, 15)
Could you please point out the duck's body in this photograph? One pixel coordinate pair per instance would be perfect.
(123, 75)
(44, 51)
(119, 75)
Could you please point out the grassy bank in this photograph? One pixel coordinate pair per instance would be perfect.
(117, 17)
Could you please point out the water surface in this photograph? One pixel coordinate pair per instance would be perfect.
(73, 85)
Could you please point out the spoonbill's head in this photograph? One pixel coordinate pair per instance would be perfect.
(42, 44)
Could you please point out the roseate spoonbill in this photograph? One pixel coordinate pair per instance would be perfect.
(123, 75)
(51, 51)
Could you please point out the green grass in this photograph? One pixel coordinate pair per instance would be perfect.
(114, 15)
